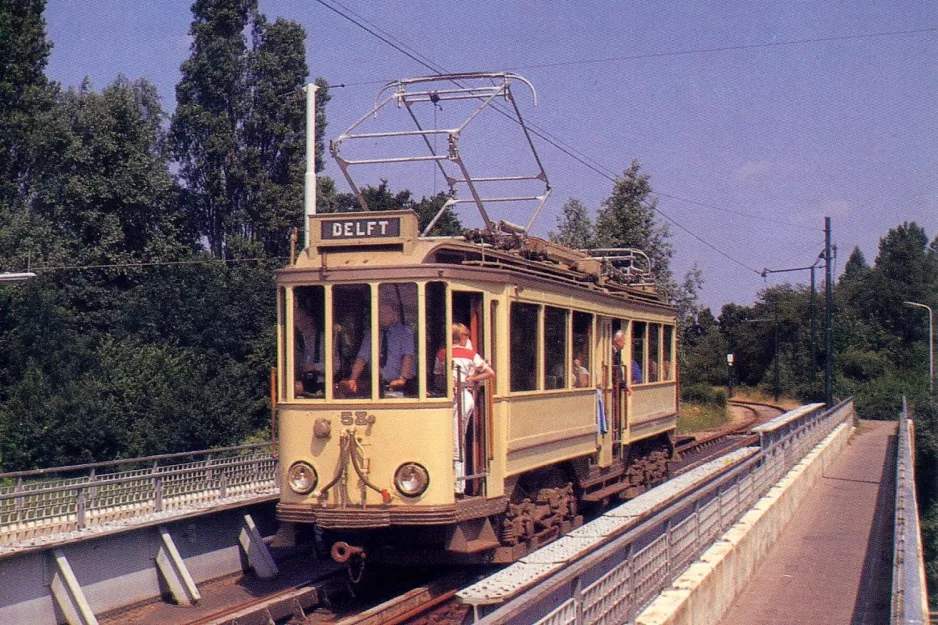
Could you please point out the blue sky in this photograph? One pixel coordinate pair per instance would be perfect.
(754, 120)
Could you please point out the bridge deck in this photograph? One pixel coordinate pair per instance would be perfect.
(833, 563)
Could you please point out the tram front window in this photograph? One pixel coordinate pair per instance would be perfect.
(351, 323)
(394, 340)
(309, 347)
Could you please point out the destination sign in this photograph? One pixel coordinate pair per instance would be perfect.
(389, 227)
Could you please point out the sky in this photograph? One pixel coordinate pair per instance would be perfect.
(753, 120)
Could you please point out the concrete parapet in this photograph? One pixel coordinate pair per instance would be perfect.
(703, 593)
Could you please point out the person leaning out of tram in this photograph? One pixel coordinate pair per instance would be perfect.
(469, 368)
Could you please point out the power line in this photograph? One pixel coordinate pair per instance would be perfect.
(691, 51)
(155, 263)
(733, 48)
(536, 130)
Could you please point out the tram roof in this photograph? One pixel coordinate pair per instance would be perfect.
(380, 241)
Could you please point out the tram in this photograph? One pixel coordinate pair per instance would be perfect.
(391, 453)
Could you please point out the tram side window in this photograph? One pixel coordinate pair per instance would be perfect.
(653, 352)
(638, 353)
(523, 341)
(437, 336)
(667, 370)
(309, 343)
(582, 349)
(556, 364)
(351, 319)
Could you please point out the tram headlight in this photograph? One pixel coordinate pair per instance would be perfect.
(411, 479)
(302, 478)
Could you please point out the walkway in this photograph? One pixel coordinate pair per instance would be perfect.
(833, 563)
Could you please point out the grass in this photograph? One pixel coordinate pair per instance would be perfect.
(757, 395)
(696, 417)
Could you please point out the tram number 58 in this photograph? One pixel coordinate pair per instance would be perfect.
(359, 417)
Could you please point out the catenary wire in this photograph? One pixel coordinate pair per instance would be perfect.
(542, 134)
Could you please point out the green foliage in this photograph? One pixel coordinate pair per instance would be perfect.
(627, 219)
(25, 93)
(575, 228)
(239, 127)
(381, 198)
(182, 369)
(704, 394)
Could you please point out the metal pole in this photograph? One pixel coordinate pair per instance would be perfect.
(309, 181)
(778, 381)
(931, 344)
(828, 317)
(813, 325)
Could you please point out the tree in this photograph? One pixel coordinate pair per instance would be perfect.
(381, 198)
(627, 219)
(274, 137)
(104, 183)
(239, 127)
(25, 93)
(25, 97)
(105, 191)
(211, 103)
(575, 228)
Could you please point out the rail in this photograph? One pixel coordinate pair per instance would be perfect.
(43, 503)
(616, 581)
(909, 594)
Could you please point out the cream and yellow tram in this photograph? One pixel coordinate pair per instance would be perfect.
(567, 420)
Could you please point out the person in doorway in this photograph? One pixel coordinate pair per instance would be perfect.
(469, 368)
(618, 344)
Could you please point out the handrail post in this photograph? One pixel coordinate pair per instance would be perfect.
(80, 508)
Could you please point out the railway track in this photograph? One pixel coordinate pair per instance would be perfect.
(697, 450)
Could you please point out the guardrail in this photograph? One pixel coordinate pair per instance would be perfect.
(47, 502)
(615, 582)
(909, 594)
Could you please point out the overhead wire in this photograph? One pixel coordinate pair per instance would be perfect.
(733, 48)
(157, 263)
(537, 131)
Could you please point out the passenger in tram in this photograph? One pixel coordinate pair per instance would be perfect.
(309, 354)
(636, 372)
(469, 368)
(397, 355)
(581, 375)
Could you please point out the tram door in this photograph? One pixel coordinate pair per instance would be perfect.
(467, 308)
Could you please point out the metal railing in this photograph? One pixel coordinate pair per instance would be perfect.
(909, 594)
(617, 581)
(49, 502)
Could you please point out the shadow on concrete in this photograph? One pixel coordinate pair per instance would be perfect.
(874, 595)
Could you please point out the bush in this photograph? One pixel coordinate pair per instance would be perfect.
(704, 394)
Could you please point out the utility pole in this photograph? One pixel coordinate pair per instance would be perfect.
(828, 317)
(813, 306)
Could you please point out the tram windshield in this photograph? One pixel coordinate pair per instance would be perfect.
(363, 355)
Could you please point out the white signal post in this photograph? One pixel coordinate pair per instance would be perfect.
(931, 343)
(309, 182)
